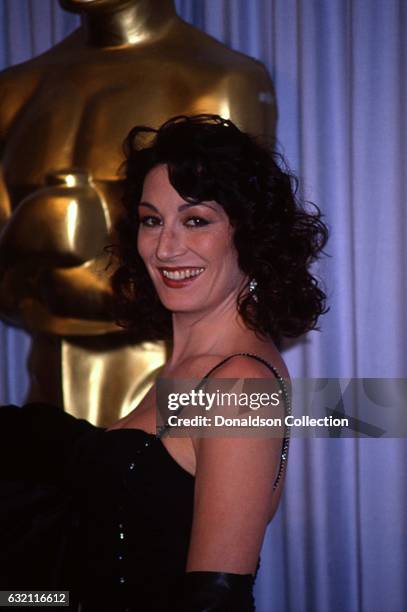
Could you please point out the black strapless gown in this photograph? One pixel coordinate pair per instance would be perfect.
(106, 515)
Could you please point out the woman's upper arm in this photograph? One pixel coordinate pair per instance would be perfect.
(232, 505)
(233, 495)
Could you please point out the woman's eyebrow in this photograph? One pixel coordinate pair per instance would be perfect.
(148, 205)
(182, 207)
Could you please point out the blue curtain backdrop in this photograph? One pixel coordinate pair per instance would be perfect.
(339, 67)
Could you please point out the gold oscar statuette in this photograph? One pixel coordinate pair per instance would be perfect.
(63, 118)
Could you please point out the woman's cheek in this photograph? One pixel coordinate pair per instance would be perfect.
(144, 245)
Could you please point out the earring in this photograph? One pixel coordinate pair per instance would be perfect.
(252, 289)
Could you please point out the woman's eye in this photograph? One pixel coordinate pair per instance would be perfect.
(196, 222)
(149, 221)
(153, 221)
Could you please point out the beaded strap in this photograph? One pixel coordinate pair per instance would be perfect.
(287, 405)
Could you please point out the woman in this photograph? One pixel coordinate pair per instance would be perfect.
(214, 253)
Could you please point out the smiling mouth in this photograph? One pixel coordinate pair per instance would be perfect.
(179, 275)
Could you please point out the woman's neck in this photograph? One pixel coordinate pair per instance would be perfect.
(214, 332)
(136, 23)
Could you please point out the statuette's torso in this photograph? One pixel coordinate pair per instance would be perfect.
(69, 111)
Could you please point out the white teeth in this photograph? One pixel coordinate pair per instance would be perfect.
(182, 274)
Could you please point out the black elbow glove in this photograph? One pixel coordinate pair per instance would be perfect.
(214, 592)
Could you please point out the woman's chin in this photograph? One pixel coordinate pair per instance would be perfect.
(179, 306)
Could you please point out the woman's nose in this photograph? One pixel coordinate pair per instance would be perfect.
(169, 244)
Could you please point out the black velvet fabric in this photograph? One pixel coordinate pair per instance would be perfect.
(105, 515)
(91, 511)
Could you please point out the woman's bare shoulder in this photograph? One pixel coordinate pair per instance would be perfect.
(236, 364)
(254, 362)
(245, 366)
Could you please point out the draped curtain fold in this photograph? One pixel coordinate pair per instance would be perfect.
(338, 542)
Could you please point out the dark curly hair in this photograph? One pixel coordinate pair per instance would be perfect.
(276, 237)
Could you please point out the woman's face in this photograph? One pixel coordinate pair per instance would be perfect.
(187, 248)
